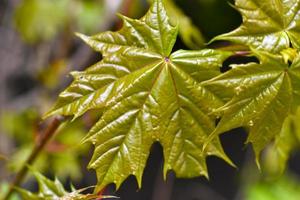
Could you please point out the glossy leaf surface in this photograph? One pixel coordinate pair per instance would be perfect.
(264, 94)
(147, 95)
(165, 104)
(267, 24)
(189, 33)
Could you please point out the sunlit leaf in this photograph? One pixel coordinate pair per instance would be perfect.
(189, 33)
(38, 21)
(148, 95)
(265, 94)
(267, 24)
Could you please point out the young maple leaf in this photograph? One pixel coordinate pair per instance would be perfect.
(265, 94)
(267, 24)
(147, 95)
(54, 190)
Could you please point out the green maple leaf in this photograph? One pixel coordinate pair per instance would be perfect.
(54, 190)
(264, 95)
(188, 32)
(267, 24)
(146, 94)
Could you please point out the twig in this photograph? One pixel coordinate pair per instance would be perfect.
(242, 53)
(49, 132)
(239, 50)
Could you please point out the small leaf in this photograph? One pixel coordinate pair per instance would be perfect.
(50, 190)
(276, 156)
(269, 25)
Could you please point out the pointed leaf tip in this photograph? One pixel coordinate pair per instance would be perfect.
(266, 25)
(143, 94)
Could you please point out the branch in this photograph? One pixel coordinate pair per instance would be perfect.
(46, 136)
(239, 50)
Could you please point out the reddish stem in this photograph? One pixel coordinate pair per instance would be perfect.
(49, 132)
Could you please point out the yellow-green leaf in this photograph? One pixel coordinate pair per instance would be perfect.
(267, 24)
(50, 190)
(189, 33)
(147, 94)
(265, 94)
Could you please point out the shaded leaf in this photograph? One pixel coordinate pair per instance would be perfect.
(4, 187)
(189, 33)
(60, 153)
(40, 20)
(267, 25)
(287, 187)
(88, 13)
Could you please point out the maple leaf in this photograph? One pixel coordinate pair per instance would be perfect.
(147, 95)
(188, 32)
(270, 25)
(264, 94)
(54, 190)
(275, 157)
